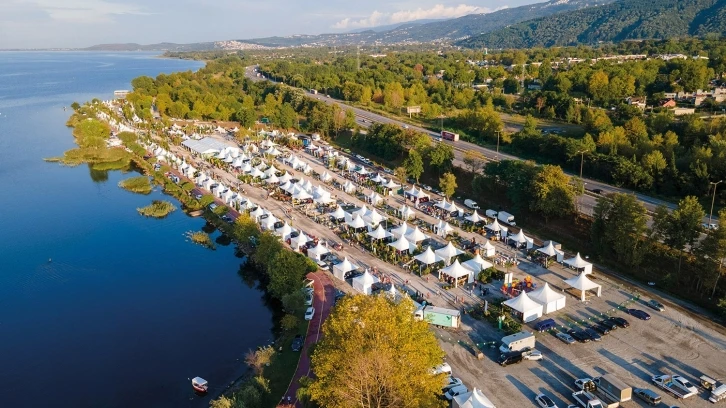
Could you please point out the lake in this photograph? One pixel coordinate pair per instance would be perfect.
(100, 307)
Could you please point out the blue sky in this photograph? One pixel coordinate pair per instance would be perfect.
(81, 23)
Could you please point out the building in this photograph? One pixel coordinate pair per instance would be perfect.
(206, 146)
(667, 103)
(637, 101)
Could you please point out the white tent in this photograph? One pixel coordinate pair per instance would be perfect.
(301, 195)
(579, 264)
(362, 171)
(391, 185)
(448, 252)
(494, 226)
(255, 173)
(317, 251)
(338, 214)
(364, 283)
(361, 211)
(428, 257)
(340, 269)
(443, 228)
(322, 196)
(456, 271)
(472, 399)
(401, 230)
(284, 231)
(443, 204)
(269, 222)
(401, 244)
(474, 217)
(548, 298)
(356, 222)
(477, 264)
(583, 284)
(272, 179)
(529, 309)
(549, 249)
(406, 212)
(258, 212)
(379, 233)
(374, 198)
(378, 179)
(373, 217)
(349, 187)
(299, 241)
(325, 177)
(454, 209)
(416, 235)
(489, 249)
(285, 178)
(394, 294)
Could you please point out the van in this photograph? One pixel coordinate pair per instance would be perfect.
(544, 325)
(512, 357)
(471, 204)
(458, 390)
(491, 214)
(650, 397)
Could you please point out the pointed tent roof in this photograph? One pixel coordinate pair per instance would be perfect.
(406, 212)
(284, 231)
(325, 176)
(391, 184)
(474, 217)
(346, 266)
(269, 222)
(373, 217)
(356, 222)
(577, 262)
(545, 294)
(488, 246)
(548, 250)
(285, 178)
(453, 208)
(477, 263)
(494, 226)
(374, 197)
(272, 179)
(449, 251)
(379, 233)
(401, 244)
(378, 179)
(246, 168)
(366, 279)
(361, 211)
(401, 230)
(523, 303)
(444, 229)
(338, 214)
(519, 237)
(443, 204)
(473, 399)
(256, 173)
(416, 235)
(318, 250)
(393, 293)
(428, 257)
(257, 212)
(362, 171)
(301, 195)
(299, 240)
(581, 282)
(456, 270)
(348, 186)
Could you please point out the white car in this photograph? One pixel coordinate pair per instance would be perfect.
(544, 401)
(444, 368)
(309, 299)
(453, 392)
(685, 384)
(452, 382)
(532, 355)
(309, 313)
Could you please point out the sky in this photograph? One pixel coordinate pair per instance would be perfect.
(82, 23)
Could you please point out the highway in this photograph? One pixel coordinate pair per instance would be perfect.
(586, 202)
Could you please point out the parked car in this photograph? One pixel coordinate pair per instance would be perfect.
(426, 187)
(544, 325)
(213, 206)
(309, 313)
(566, 338)
(297, 343)
(608, 323)
(619, 321)
(593, 334)
(198, 196)
(656, 305)
(451, 383)
(532, 354)
(308, 299)
(453, 392)
(443, 368)
(544, 401)
(512, 357)
(639, 314)
(579, 335)
(600, 328)
(650, 397)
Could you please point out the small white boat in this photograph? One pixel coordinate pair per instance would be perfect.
(199, 384)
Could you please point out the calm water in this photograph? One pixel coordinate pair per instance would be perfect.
(127, 311)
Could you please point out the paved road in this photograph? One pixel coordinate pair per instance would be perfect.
(587, 202)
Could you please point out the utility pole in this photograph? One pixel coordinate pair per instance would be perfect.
(357, 59)
(582, 160)
(713, 200)
(498, 132)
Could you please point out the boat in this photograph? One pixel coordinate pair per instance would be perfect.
(199, 384)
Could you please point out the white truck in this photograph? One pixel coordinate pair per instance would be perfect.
(517, 342)
(674, 385)
(491, 214)
(471, 204)
(591, 389)
(506, 217)
(587, 400)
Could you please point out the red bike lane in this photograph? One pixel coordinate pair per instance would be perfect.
(324, 296)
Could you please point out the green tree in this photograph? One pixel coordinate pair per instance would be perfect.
(620, 222)
(554, 196)
(441, 157)
(401, 174)
(598, 85)
(414, 164)
(375, 355)
(681, 227)
(294, 302)
(475, 160)
(447, 184)
(286, 273)
(289, 322)
(75, 106)
(267, 250)
(710, 254)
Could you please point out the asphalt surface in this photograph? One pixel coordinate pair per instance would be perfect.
(586, 202)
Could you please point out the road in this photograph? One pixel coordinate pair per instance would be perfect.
(586, 202)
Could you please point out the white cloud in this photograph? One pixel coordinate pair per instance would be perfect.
(86, 11)
(438, 11)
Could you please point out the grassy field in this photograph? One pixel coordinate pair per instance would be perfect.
(157, 209)
(140, 184)
(283, 365)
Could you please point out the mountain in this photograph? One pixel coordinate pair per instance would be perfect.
(618, 21)
(389, 27)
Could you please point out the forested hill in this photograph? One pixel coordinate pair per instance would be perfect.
(618, 21)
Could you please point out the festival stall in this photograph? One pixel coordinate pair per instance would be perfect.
(525, 307)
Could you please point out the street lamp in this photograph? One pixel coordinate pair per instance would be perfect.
(498, 132)
(582, 160)
(713, 200)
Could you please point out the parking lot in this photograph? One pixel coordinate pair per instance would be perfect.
(671, 342)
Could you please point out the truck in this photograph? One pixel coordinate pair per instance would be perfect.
(587, 400)
(590, 387)
(506, 217)
(491, 214)
(517, 342)
(454, 137)
(438, 316)
(717, 388)
(666, 382)
(314, 91)
(471, 204)
(614, 388)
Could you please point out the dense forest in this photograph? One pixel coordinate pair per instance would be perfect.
(618, 21)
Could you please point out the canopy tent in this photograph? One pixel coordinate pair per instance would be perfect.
(378, 179)
(362, 171)
(457, 271)
(520, 239)
(325, 177)
(579, 264)
(379, 233)
(301, 195)
(428, 257)
(364, 283)
(256, 173)
(477, 264)
(342, 268)
(356, 222)
(373, 217)
(317, 251)
(272, 170)
(322, 196)
(548, 298)
(416, 193)
(269, 222)
(474, 218)
(453, 208)
(406, 212)
(401, 244)
(339, 213)
(489, 249)
(285, 178)
(549, 249)
(246, 168)
(299, 241)
(528, 308)
(305, 168)
(448, 252)
(393, 293)
(360, 211)
(583, 284)
(349, 187)
(443, 228)
(416, 235)
(472, 399)
(272, 179)
(284, 231)
(401, 230)
(494, 226)
(374, 198)
(258, 212)
(443, 204)
(391, 185)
